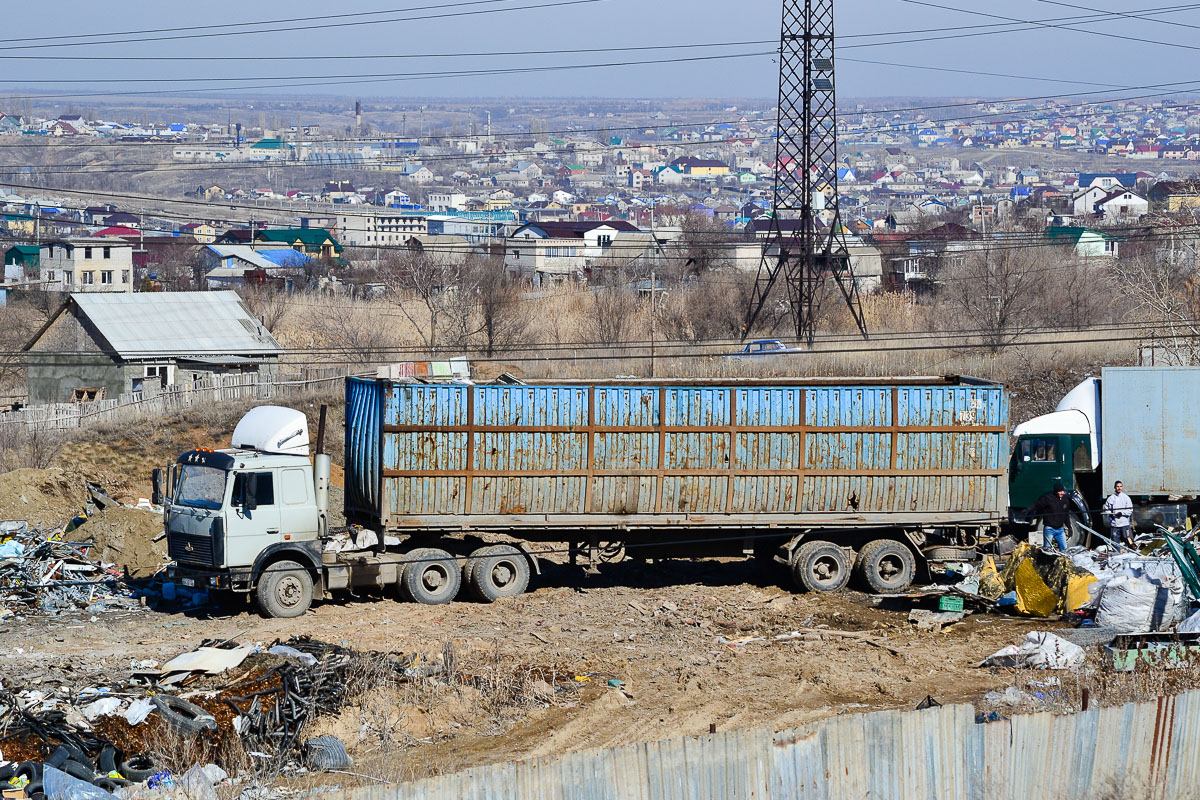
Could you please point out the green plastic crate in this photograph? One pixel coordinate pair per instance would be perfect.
(950, 602)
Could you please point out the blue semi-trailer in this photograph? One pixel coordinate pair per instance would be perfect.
(464, 485)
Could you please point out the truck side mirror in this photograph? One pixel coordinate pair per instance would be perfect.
(156, 482)
(250, 491)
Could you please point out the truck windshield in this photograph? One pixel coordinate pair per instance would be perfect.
(200, 487)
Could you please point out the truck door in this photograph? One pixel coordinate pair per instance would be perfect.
(1039, 461)
(251, 531)
(297, 505)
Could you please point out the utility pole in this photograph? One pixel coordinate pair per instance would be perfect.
(653, 314)
(805, 165)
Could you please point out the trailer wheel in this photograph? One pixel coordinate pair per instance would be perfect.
(886, 566)
(499, 571)
(432, 577)
(820, 566)
(285, 589)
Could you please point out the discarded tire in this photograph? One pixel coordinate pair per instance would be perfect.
(285, 589)
(501, 570)
(431, 576)
(186, 718)
(106, 762)
(137, 768)
(886, 566)
(326, 752)
(820, 566)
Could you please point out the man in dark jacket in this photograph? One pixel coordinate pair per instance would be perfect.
(1054, 510)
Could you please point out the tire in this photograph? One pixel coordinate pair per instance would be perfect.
(886, 566)
(137, 768)
(106, 762)
(186, 718)
(820, 566)
(325, 753)
(85, 772)
(432, 577)
(285, 589)
(951, 554)
(499, 571)
(33, 771)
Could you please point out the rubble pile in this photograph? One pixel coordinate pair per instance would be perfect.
(231, 701)
(42, 572)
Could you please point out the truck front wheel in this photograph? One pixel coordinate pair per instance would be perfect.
(285, 589)
(886, 566)
(820, 566)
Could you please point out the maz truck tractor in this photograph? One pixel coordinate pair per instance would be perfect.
(450, 485)
(1137, 425)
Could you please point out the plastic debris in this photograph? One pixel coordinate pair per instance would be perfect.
(1040, 650)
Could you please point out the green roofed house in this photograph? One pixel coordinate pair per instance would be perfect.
(270, 144)
(315, 242)
(28, 256)
(1084, 242)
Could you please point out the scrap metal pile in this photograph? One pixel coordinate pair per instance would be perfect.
(41, 571)
(259, 698)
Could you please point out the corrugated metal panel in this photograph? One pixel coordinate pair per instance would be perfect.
(644, 451)
(1145, 749)
(173, 323)
(364, 401)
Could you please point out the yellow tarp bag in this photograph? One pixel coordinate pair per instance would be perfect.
(991, 585)
(1034, 597)
(1077, 593)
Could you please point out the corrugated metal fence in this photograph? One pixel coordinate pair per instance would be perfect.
(1132, 751)
(156, 401)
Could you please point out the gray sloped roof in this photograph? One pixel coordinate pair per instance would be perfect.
(154, 324)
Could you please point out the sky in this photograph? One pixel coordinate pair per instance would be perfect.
(1030, 61)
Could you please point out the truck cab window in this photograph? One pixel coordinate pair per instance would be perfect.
(265, 493)
(200, 487)
(1039, 449)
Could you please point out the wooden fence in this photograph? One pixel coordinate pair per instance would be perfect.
(160, 401)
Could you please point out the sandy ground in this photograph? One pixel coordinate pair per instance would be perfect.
(656, 628)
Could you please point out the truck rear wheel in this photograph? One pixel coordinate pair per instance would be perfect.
(285, 589)
(885, 566)
(820, 566)
(498, 571)
(431, 577)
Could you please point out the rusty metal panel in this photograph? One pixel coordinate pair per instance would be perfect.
(626, 406)
(777, 407)
(527, 451)
(703, 407)
(694, 494)
(762, 494)
(846, 450)
(632, 451)
(623, 495)
(405, 496)
(523, 495)
(415, 404)
(773, 451)
(845, 407)
(424, 451)
(530, 406)
(696, 451)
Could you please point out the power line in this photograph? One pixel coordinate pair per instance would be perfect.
(45, 41)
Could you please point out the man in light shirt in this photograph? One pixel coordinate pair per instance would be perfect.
(1118, 508)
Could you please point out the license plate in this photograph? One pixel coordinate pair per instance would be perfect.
(188, 581)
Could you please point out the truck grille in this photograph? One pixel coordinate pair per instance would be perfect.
(185, 549)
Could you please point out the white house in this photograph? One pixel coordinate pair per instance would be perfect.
(447, 201)
(1122, 204)
(559, 251)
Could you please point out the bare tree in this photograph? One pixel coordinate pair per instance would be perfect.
(503, 318)
(435, 292)
(994, 291)
(612, 308)
(1165, 290)
(270, 305)
(351, 330)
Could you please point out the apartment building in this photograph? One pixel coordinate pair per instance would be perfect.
(87, 265)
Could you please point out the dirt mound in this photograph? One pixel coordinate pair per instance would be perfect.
(124, 536)
(44, 497)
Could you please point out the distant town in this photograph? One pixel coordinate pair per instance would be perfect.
(554, 194)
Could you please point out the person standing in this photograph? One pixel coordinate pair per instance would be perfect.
(1118, 508)
(1054, 510)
